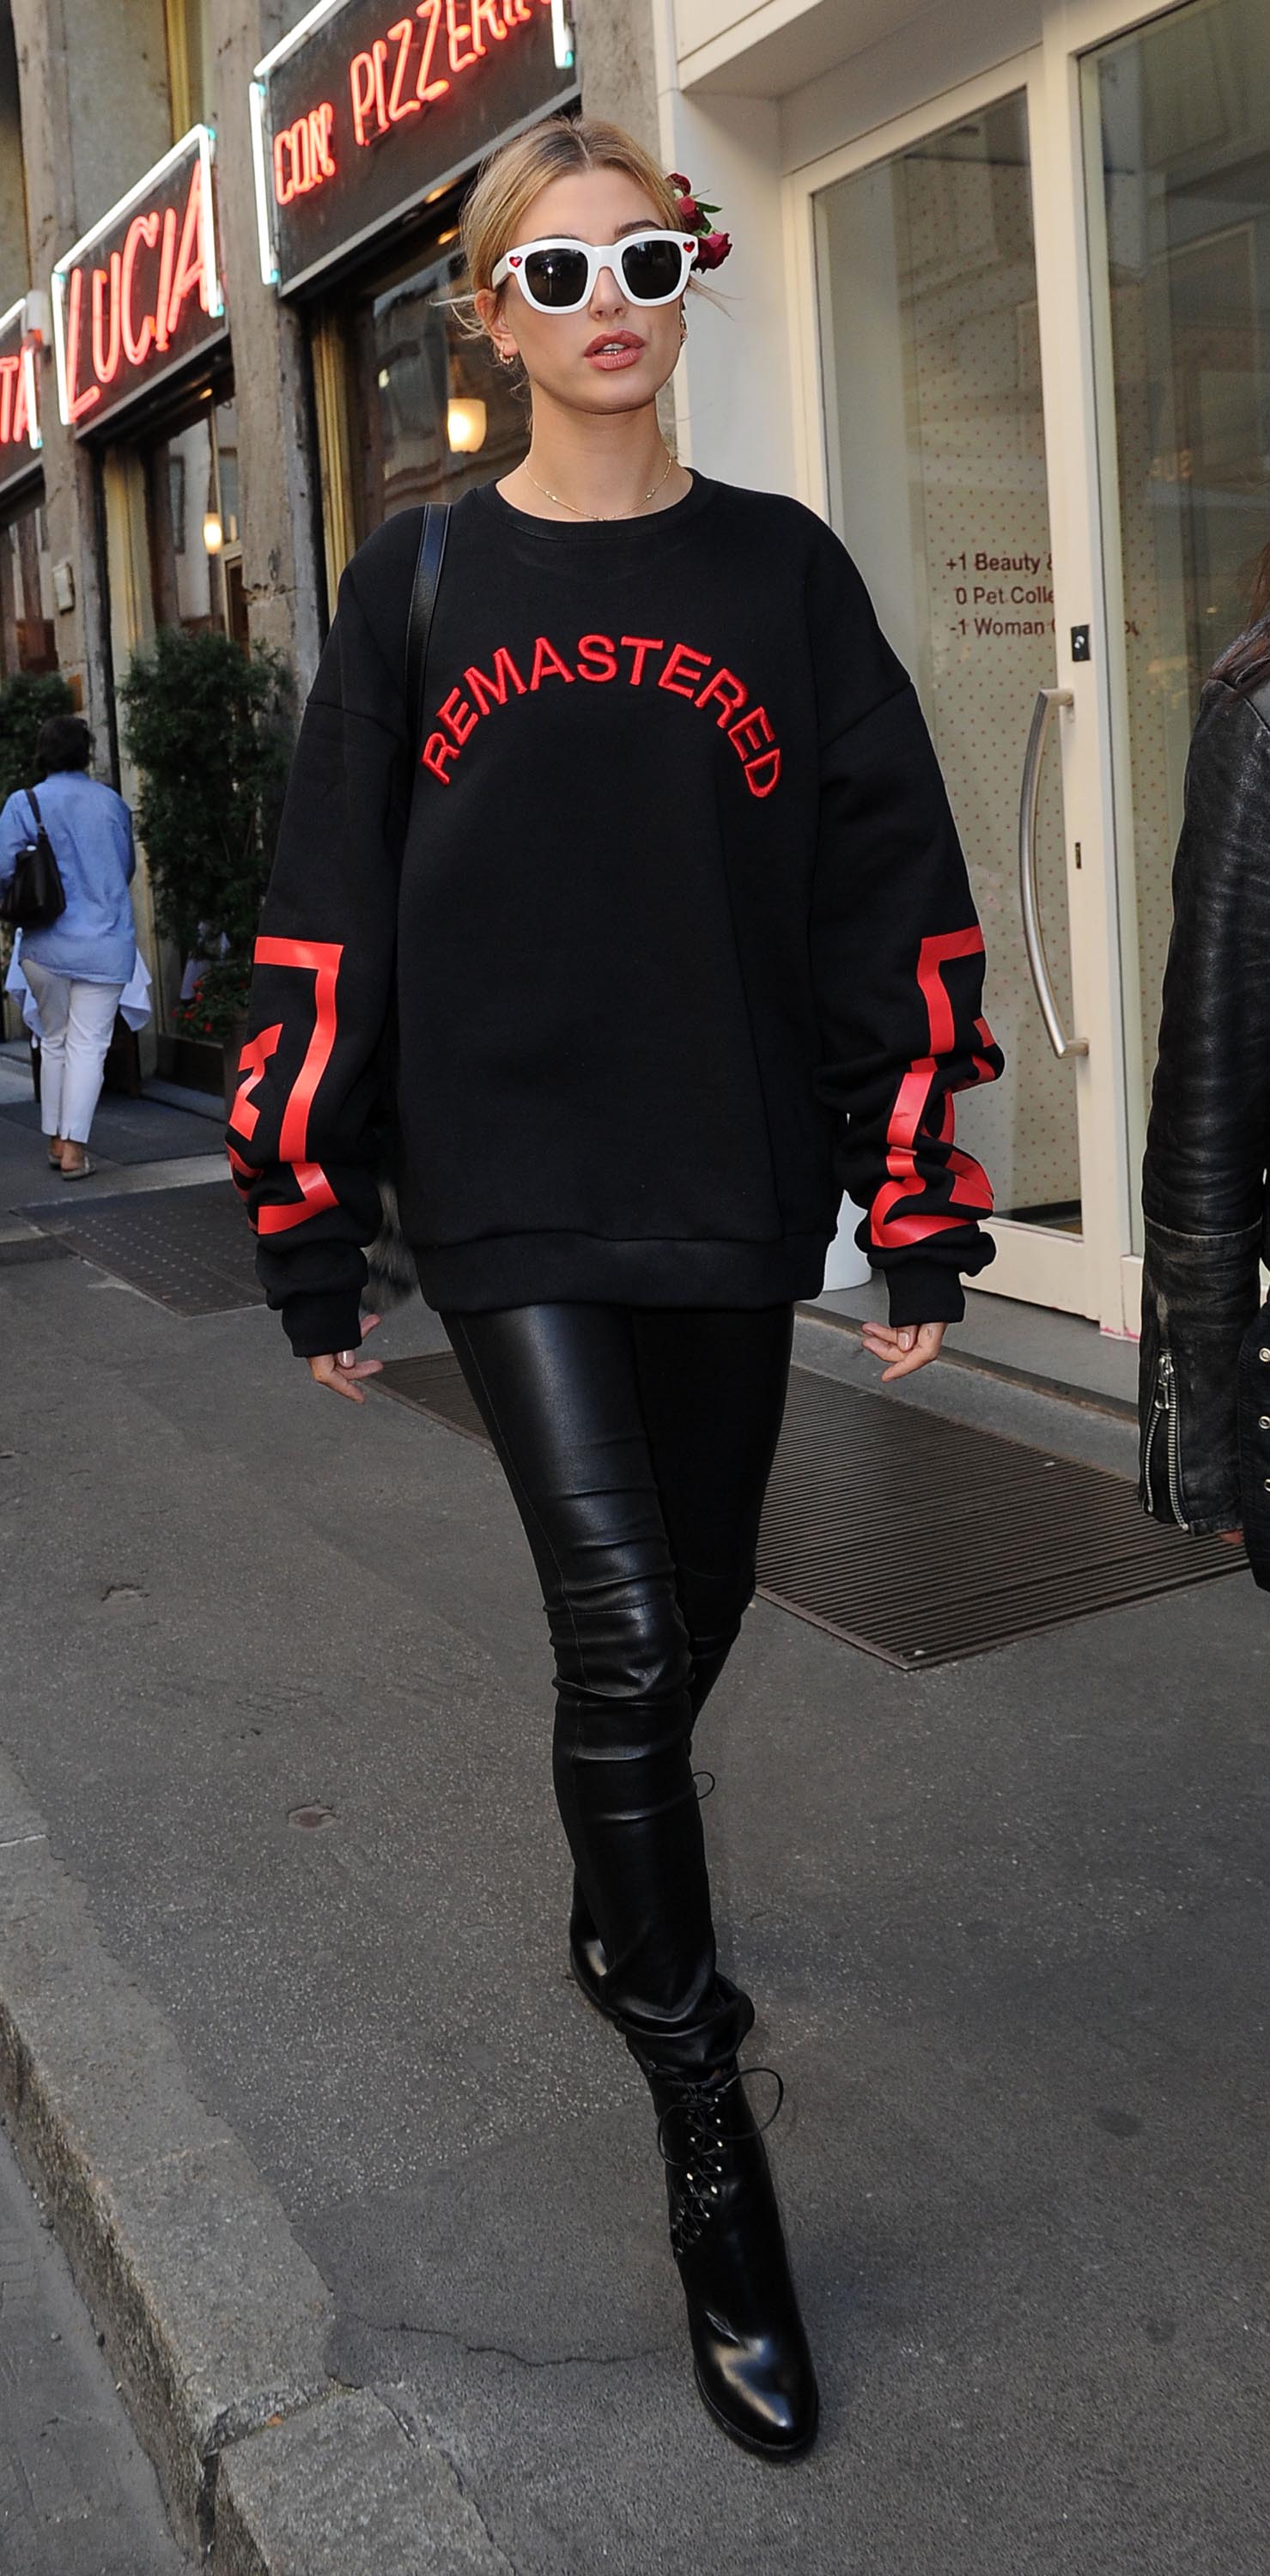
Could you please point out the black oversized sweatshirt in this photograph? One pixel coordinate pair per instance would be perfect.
(663, 924)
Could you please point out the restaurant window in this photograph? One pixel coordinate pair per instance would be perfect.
(411, 407)
(27, 633)
(192, 518)
(444, 415)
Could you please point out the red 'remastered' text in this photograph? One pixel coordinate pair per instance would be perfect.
(632, 661)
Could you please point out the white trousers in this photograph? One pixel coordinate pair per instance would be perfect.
(76, 1021)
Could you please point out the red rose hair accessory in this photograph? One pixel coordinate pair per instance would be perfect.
(696, 217)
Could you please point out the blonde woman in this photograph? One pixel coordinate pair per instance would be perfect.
(671, 909)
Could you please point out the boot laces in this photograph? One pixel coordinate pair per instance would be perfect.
(699, 2173)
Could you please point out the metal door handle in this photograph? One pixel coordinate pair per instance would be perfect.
(1046, 701)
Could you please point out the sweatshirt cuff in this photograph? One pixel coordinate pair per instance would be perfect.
(316, 1320)
(925, 1292)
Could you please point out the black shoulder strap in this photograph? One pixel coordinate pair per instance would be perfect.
(423, 600)
(39, 819)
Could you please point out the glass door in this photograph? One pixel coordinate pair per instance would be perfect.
(1035, 323)
(1176, 122)
(939, 483)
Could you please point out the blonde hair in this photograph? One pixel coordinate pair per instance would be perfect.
(558, 149)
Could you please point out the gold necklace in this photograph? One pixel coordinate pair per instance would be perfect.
(600, 516)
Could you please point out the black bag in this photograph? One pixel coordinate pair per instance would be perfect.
(35, 894)
(389, 1260)
(1252, 1409)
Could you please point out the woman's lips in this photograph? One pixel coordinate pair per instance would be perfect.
(619, 351)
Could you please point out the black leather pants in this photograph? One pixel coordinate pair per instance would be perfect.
(637, 1442)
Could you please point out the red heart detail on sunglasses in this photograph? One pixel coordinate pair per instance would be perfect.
(513, 263)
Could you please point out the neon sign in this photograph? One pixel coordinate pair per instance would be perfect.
(140, 294)
(327, 103)
(20, 440)
(302, 155)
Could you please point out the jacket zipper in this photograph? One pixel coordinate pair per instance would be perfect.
(1165, 1407)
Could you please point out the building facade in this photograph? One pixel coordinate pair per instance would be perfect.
(997, 309)
(227, 345)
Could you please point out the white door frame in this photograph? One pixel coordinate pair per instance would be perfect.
(1094, 1274)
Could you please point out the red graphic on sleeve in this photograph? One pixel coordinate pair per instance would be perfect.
(255, 1056)
(321, 959)
(971, 1194)
(629, 661)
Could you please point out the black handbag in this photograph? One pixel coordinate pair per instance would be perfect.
(35, 894)
(1253, 1432)
(389, 1261)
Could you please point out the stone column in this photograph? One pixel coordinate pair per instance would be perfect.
(95, 115)
(617, 53)
(279, 494)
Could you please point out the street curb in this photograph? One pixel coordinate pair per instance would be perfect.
(352, 2486)
(212, 2316)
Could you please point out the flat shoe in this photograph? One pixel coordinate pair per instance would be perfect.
(55, 1162)
(77, 1171)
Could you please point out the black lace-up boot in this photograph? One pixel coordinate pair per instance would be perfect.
(753, 2368)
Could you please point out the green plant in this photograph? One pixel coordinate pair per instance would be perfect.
(208, 728)
(25, 701)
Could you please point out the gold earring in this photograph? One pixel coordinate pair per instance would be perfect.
(683, 326)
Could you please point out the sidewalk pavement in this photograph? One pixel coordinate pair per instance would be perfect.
(137, 1145)
(368, 2204)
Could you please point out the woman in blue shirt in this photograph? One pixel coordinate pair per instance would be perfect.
(78, 967)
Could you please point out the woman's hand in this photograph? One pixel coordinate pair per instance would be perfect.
(905, 1346)
(340, 1370)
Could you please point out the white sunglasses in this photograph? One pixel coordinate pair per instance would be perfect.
(558, 275)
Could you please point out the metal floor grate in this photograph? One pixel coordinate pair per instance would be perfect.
(917, 1539)
(192, 1250)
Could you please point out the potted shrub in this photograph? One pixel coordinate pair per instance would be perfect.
(208, 729)
(25, 700)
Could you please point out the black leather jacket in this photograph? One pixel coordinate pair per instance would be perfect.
(1204, 1387)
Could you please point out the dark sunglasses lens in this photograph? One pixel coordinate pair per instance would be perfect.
(556, 276)
(652, 268)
